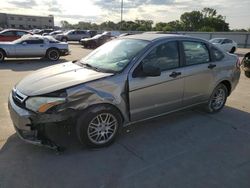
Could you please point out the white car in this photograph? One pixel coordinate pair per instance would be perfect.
(226, 44)
(34, 46)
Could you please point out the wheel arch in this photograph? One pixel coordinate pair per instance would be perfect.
(99, 106)
(52, 48)
(1, 49)
(228, 85)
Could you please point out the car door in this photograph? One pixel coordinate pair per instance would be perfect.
(31, 47)
(199, 71)
(72, 35)
(152, 96)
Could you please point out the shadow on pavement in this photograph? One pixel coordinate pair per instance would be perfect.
(27, 64)
(185, 149)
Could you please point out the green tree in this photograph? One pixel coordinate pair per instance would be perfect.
(65, 24)
(192, 21)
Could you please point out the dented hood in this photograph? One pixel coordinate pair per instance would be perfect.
(57, 77)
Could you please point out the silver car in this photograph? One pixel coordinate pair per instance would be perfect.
(72, 35)
(124, 81)
(34, 46)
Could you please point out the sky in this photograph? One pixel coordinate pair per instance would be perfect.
(237, 13)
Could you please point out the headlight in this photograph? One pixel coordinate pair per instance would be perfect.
(42, 104)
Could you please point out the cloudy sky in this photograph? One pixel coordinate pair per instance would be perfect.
(237, 12)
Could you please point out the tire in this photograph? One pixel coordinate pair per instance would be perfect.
(232, 50)
(64, 39)
(2, 56)
(247, 74)
(214, 106)
(95, 128)
(53, 54)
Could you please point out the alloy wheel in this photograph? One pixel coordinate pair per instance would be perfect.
(102, 128)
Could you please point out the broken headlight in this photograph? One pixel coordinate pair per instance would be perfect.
(42, 104)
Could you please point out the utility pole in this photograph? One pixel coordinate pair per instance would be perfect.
(121, 14)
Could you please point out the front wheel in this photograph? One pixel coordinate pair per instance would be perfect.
(53, 54)
(2, 56)
(98, 127)
(64, 39)
(217, 99)
(247, 74)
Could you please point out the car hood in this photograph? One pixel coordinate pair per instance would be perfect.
(87, 39)
(57, 77)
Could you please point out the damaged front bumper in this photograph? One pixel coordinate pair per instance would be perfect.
(29, 126)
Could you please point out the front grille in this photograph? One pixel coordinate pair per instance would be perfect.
(18, 98)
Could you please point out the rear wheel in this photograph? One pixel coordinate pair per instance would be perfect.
(98, 127)
(232, 50)
(53, 54)
(217, 99)
(247, 74)
(2, 56)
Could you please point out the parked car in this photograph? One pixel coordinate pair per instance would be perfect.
(95, 41)
(33, 46)
(124, 81)
(12, 34)
(246, 64)
(226, 44)
(72, 35)
(44, 32)
(54, 33)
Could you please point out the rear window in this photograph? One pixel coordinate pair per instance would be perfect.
(195, 53)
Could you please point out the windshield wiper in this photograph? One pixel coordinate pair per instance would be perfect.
(91, 67)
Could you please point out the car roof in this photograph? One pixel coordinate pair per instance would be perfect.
(5, 30)
(154, 37)
(35, 37)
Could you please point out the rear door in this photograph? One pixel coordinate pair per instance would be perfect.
(199, 72)
(152, 96)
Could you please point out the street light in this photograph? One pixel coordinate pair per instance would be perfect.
(121, 14)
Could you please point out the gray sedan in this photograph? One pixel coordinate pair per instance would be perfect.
(129, 79)
(33, 46)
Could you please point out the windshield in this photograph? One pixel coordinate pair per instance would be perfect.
(216, 40)
(114, 55)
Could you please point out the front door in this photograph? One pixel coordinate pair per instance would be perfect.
(152, 96)
(35, 47)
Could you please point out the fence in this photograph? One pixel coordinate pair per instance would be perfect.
(241, 38)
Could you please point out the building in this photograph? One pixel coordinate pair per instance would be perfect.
(26, 21)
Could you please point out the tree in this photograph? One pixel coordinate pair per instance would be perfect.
(209, 12)
(192, 21)
(65, 24)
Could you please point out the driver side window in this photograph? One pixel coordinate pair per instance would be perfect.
(164, 57)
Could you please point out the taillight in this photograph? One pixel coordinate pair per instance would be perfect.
(238, 63)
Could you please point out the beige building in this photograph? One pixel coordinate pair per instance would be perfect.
(26, 21)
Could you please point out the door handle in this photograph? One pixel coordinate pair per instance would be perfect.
(175, 74)
(41, 45)
(211, 66)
